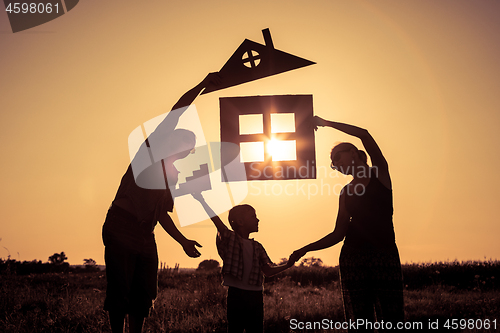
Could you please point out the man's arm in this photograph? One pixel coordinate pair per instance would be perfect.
(172, 118)
(189, 246)
(189, 97)
(221, 227)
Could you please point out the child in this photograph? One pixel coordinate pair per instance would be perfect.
(244, 263)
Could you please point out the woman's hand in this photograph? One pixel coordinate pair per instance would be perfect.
(318, 121)
(290, 262)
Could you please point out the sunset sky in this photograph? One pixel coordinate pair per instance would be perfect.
(422, 76)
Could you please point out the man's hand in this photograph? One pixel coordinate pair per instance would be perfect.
(189, 247)
(212, 78)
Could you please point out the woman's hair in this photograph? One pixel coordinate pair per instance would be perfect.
(345, 146)
(237, 211)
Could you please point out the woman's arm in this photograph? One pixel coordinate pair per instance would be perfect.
(376, 156)
(221, 227)
(336, 236)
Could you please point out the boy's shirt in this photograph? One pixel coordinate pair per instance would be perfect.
(230, 250)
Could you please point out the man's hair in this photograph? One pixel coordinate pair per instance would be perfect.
(180, 140)
(237, 211)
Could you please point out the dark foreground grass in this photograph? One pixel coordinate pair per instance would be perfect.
(195, 302)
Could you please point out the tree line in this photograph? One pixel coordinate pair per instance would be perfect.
(56, 264)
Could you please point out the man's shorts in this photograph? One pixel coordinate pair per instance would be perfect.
(131, 263)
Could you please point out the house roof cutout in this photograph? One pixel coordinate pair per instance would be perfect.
(253, 61)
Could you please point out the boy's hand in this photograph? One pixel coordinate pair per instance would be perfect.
(189, 247)
(198, 196)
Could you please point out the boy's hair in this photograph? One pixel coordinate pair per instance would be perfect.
(237, 211)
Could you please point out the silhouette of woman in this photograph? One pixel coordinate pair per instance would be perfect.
(370, 268)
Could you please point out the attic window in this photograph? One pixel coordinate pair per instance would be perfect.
(251, 59)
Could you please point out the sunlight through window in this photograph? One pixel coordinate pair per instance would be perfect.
(282, 150)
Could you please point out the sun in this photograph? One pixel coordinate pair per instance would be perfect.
(282, 150)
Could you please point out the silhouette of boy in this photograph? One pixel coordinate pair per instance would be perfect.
(245, 262)
(143, 199)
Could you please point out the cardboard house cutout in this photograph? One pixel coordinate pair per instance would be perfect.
(272, 135)
(253, 61)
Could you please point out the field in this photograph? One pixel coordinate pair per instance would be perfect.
(195, 301)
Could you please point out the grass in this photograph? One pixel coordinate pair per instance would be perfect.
(195, 302)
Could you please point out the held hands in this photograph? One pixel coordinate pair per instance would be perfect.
(290, 262)
(296, 255)
(189, 247)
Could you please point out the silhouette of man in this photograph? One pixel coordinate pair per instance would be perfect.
(143, 199)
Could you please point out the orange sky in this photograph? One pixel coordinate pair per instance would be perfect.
(421, 76)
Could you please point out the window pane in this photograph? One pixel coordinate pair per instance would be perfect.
(251, 124)
(251, 151)
(282, 122)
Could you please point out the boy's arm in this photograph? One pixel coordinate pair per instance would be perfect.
(269, 270)
(266, 265)
(221, 227)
